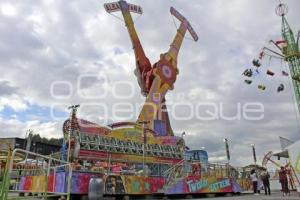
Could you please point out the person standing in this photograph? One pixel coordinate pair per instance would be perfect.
(283, 181)
(265, 177)
(254, 180)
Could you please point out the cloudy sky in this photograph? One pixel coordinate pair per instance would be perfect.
(55, 53)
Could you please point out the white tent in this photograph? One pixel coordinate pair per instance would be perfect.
(294, 155)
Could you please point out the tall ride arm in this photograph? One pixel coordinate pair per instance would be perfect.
(165, 73)
(157, 80)
(143, 64)
(177, 41)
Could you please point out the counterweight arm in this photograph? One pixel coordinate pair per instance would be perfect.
(143, 64)
(165, 73)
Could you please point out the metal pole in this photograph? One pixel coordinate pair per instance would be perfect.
(46, 182)
(144, 148)
(69, 181)
(6, 176)
(144, 142)
(227, 155)
(254, 153)
(109, 165)
(69, 144)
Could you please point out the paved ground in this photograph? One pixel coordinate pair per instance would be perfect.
(274, 196)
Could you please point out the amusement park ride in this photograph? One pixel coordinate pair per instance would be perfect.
(131, 158)
(147, 146)
(126, 159)
(151, 137)
(289, 52)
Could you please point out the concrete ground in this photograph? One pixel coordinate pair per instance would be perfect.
(274, 196)
(247, 196)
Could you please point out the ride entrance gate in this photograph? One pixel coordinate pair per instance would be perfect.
(37, 176)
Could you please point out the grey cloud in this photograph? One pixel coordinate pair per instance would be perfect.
(7, 89)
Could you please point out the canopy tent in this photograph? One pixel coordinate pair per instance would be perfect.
(294, 155)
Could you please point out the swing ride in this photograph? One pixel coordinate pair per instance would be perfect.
(288, 48)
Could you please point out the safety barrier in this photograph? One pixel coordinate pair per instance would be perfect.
(38, 176)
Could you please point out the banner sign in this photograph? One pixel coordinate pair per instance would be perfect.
(113, 7)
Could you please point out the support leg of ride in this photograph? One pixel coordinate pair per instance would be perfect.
(21, 194)
(126, 197)
(85, 197)
(228, 195)
(210, 195)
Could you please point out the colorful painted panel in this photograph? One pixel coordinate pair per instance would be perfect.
(57, 183)
(114, 185)
(35, 184)
(28, 183)
(203, 185)
(22, 183)
(80, 182)
(60, 182)
(51, 183)
(142, 185)
(245, 184)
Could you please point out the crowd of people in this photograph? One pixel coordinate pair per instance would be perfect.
(262, 181)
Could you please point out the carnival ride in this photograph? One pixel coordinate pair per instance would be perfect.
(153, 158)
(288, 48)
(150, 138)
(132, 158)
(291, 174)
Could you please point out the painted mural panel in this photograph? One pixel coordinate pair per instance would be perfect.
(133, 184)
(201, 185)
(114, 185)
(60, 182)
(80, 182)
(143, 185)
(56, 183)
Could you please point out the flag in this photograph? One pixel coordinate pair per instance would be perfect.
(284, 142)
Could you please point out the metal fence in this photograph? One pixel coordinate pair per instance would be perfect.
(37, 176)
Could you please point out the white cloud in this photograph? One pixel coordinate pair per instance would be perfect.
(8, 9)
(17, 128)
(15, 102)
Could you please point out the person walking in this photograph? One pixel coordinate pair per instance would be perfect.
(254, 180)
(265, 177)
(283, 181)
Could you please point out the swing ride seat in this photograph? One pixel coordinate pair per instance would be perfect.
(256, 63)
(248, 81)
